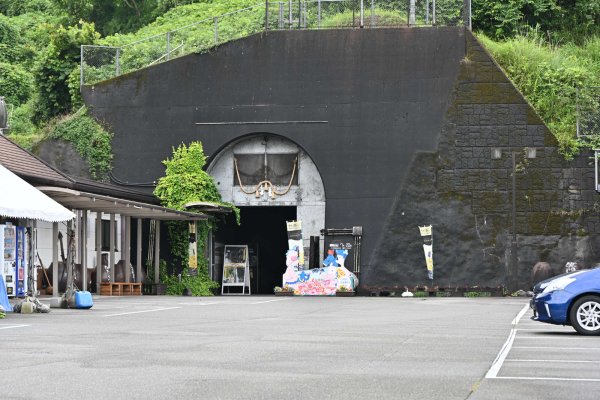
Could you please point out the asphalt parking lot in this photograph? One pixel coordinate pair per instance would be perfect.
(265, 347)
(543, 361)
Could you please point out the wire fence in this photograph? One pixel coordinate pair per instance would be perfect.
(588, 111)
(99, 63)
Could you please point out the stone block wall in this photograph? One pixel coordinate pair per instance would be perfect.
(467, 196)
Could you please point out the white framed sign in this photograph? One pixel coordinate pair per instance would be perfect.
(236, 269)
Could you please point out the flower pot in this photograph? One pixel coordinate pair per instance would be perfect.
(345, 294)
(284, 293)
(154, 289)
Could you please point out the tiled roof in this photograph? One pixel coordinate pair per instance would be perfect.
(36, 171)
(26, 165)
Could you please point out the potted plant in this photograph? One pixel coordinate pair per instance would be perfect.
(283, 291)
(344, 291)
(151, 288)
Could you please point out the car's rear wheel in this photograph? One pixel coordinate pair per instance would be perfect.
(585, 315)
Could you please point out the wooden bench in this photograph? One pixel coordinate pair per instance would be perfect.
(120, 289)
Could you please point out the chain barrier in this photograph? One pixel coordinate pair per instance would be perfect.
(99, 63)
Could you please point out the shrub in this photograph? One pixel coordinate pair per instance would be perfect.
(89, 138)
(15, 83)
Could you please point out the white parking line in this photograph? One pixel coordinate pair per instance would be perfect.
(536, 378)
(570, 336)
(555, 348)
(553, 361)
(545, 328)
(269, 301)
(13, 326)
(497, 364)
(144, 311)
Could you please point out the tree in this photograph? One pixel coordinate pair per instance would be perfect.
(185, 180)
(56, 64)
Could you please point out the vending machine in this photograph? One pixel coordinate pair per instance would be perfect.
(14, 246)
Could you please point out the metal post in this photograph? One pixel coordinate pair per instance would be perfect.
(118, 61)
(596, 168)
(32, 276)
(266, 15)
(127, 248)
(83, 249)
(157, 252)
(427, 12)
(111, 258)
(55, 259)
(216, 22)
(470, 16)
(319, 14)
(467, 13)
(168, 55)
(372, 13)
(411, 13)
(280, 15)
(362, 13)
(290, 9)
(98, 251)
(138, 258)
(70, 260)
(211, 261)
(80, 68)
(433, 12)
(513, 245)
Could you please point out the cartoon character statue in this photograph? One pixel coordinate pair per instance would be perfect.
(291, 259)
(341, 257)
(330, 260)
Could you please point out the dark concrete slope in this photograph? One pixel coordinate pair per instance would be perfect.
(382, 92)
(467, 196)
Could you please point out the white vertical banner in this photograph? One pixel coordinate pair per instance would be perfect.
(428, 250)
(427, 234)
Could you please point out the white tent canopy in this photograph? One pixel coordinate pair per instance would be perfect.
(18, 199)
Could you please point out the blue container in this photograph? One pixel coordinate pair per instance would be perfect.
(83, 300)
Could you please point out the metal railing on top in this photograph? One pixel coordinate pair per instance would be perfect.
(100, 63)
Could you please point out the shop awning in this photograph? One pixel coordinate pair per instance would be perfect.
(18, 199)
(112, 205)
(207, 207)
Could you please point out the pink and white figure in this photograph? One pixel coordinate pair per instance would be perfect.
(323, 281)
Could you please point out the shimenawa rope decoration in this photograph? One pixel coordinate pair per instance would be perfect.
(265, 185)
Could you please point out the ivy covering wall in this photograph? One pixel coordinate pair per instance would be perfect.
(185, 181)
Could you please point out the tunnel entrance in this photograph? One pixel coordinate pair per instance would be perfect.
(263, 229)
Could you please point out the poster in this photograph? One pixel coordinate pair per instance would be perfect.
(294, 231)
(428, 250)
(234, 274)
(192, 250)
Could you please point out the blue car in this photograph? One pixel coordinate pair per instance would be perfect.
(570, 299)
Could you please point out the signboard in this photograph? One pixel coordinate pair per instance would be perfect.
(343, 246)
(294, 231)
(236, 270)
(193, 250)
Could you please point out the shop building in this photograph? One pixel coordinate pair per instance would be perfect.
(109, 223)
